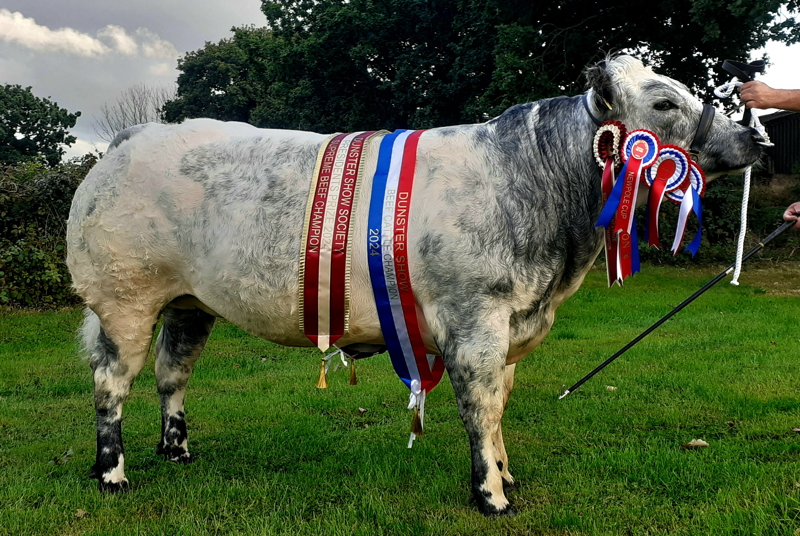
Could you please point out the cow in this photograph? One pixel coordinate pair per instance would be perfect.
(204, 219)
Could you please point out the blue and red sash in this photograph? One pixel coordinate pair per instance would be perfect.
(388, 258)
(324, 266)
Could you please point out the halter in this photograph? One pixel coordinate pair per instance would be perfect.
(700, 136)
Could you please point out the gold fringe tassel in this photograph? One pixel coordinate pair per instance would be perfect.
(322, 383)
(353, 378)
(416, 424)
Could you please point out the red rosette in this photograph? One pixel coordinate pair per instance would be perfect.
(645, 144)
(607, 142)
(672, 165)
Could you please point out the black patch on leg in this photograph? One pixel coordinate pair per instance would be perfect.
(182, 338)
(183, 332)
(106, 352)
(173, 434)
(109, 449)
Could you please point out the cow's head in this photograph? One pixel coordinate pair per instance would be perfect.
(623, 89)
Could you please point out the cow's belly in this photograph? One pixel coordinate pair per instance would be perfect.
(274, 314)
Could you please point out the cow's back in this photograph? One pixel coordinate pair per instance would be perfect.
(205, 208)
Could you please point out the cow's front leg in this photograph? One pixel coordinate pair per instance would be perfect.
(500, 448)
(476, 366)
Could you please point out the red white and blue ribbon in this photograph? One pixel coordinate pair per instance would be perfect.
(669, 173)
(324, 262)
(689, 198)
(607, 143)
(639, 151)
(388, 259)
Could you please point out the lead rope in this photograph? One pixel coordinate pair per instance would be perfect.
(724, 91)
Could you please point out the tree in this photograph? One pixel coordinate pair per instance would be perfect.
(358, 64)
(32, 127)
(141, 103)
(216, 81)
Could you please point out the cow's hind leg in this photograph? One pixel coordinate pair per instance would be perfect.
(118, 353)
(475, 360)
(179, 344)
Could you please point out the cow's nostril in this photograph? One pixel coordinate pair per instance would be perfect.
(756, 135)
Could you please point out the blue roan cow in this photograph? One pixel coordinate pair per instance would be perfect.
(204, 219)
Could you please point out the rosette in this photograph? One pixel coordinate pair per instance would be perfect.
(667, 174)
(689, 196)
(607, 142)
(606, 147)
(639, 151)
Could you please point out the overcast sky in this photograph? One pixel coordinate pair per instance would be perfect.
(84, 53)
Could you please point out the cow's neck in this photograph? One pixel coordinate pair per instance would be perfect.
(552, 186)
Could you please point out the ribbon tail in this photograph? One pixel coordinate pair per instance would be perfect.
(417, 403)
(635, 264)
(610, 237)
(610, 208)
(612, 249)
(698, 210)
(654, 199)
(686, 209)
(630, 189)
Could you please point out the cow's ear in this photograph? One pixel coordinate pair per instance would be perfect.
(599, 80)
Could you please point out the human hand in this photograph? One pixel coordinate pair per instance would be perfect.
(793, 213)
(757, 95)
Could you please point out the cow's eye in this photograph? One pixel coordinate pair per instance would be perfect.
(665, 105)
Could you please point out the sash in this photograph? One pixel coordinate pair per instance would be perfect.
(324, 275)
(388, 259)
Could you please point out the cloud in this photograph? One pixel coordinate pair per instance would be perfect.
(17, 29)
(119, 40)
(155, 47)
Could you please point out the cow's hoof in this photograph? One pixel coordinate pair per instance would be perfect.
(490, 510)
(174, 454)
(114, 487)
(510, 486)
(183, 459)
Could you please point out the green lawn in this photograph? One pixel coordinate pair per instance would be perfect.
(277, 456)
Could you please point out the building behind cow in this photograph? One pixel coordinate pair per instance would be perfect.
(783, 128)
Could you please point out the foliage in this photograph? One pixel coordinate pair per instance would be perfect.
(722, 220)
(341, 66)
(34, 206)
(276, 456)
(32, 127)
(216, 81)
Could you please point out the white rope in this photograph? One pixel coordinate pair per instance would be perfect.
(725, 91)
(743, 228)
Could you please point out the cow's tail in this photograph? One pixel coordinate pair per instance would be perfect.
(88, 333)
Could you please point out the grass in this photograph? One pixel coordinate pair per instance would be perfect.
(277, 456)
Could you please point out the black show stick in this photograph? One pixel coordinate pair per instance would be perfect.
(683, 304)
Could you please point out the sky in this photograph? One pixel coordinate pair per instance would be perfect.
(83, 54)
